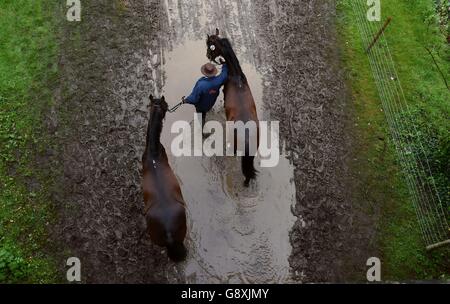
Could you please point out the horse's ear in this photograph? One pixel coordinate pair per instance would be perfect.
(163, 98)
(207, 36)
(151, 97)
(217, 31)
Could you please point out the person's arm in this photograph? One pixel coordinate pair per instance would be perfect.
(222, 78)
(195, 95)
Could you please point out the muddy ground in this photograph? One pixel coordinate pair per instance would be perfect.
(335, 237)
(100, 201)
(109, 64)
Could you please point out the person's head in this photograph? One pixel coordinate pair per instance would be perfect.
(209, 70)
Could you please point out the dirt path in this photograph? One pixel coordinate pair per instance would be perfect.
(122, 51)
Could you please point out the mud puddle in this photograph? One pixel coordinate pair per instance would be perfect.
(236, 235)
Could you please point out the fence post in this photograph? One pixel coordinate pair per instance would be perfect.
(375, 39)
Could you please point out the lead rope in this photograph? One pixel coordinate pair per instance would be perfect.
(176, 107)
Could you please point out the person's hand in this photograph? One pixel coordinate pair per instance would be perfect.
(183, 99)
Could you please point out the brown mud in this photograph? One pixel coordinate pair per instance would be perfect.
(124, 50)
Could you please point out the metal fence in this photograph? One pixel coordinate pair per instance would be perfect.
(431, 215)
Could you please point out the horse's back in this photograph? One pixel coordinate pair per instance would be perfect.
(160, 182)
(164, 204)
(239, 103)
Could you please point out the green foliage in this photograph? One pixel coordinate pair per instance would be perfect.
(27, 67)
(15, 267)
(431, 145)
(12, 266)
(443, 15)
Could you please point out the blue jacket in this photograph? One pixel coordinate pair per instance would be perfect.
(206, 91)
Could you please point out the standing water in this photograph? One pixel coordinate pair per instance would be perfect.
(236, 234)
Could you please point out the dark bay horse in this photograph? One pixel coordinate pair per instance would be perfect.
(239, 102)
(165, 210)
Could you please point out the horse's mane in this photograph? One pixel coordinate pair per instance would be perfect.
(232, 60)
(154, 129)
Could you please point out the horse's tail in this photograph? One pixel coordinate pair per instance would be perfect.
(176, 251)
(248, 168)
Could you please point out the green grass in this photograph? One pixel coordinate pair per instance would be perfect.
(382, 189)
(27, 67)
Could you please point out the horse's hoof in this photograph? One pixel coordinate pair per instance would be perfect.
(246, 183)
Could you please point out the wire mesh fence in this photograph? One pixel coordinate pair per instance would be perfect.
(432, 216)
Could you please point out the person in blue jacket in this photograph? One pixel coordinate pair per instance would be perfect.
(207, 89)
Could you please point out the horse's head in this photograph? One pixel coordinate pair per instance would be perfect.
(159, 104)
(215, 48)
